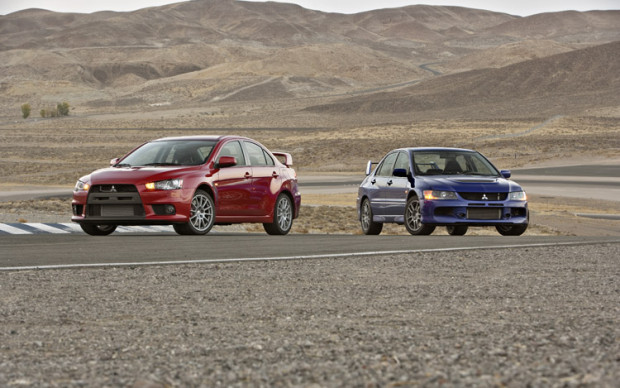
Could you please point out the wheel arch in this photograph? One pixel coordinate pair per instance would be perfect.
(414, 193)
(207, 188)
(359, 208)
(288, 193)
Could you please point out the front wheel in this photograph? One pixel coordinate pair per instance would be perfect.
(369, 227)
(511, 230)
(98, 230)
(413, 219)
(202, 215)
(282, 217)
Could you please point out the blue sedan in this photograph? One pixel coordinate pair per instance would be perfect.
(428, 187)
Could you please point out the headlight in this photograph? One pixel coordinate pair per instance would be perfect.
(517, 196)
(436, 194)
(81, 186)
(169, 184)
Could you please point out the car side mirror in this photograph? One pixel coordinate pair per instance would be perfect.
(368, 167)
(114, 161)
(400, 172)
(506, 173)
(226, 161)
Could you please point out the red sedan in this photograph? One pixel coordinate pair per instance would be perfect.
(191, 183)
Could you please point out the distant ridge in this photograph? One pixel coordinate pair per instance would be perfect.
(226, 51)
(578, 79)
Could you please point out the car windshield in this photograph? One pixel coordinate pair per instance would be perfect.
(452, 162)
(169, 153)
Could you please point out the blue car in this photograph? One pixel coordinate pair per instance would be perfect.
(428, 187)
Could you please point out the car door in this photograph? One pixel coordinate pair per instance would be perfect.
(379, 182)
(265, 179)
(397, 187)
(233, 184)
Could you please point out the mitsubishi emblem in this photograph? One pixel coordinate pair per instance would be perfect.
(484, 196)
(113, 189)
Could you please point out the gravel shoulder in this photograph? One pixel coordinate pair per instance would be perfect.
(545, 316)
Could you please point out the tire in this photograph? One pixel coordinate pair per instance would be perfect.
(202, 215)
(98, 230)
(511, 230)
(413, 219)
(282, 217)
(369, 227)
(457, 230)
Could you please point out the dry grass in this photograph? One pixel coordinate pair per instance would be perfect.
(47, 153)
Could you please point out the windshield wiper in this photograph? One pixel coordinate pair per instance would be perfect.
(122, 165)
(160, 164)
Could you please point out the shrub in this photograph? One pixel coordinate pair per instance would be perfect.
(63, 109)
(60, 110)
(26, 110)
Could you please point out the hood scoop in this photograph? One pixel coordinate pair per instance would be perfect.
(475, 180)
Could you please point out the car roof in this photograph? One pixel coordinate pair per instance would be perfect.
(435, 149)
(203, 137)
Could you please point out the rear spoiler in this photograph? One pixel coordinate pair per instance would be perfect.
(284, 157)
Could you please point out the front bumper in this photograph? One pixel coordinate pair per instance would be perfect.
(131, 208)
(446, 212)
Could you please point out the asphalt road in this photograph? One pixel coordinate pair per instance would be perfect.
(70, 250)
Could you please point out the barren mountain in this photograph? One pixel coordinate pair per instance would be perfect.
(234, 52)
(558, 84)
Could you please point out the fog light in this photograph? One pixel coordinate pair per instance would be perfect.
(164, 209)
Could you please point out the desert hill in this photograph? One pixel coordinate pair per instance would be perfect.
(210, 52)
(576, 80)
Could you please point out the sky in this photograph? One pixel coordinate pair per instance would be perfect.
(513, 7)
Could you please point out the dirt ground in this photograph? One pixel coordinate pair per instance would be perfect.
(531, 316)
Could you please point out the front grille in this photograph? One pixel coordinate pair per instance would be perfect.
(114, 201)
(484, 213)
(114, 189)
(484, 196)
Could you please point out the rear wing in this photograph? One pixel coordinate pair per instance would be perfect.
(284, 158)
(369, 166)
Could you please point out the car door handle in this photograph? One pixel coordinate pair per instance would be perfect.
(275, 174)
(373, 181)
(247, 175)
(390, 182)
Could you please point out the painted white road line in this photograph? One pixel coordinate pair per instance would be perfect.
(301, 257)
(62, 228)
(12, 230)
(47, 228)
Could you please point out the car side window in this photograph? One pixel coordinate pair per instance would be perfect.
(256, 154)
(402, 161)
(269, 159)
(387, 167)
(233, 148)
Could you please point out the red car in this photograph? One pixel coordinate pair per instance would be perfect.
(191, 183)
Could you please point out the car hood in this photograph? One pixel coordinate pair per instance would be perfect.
(470, 184)
(133, 175)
